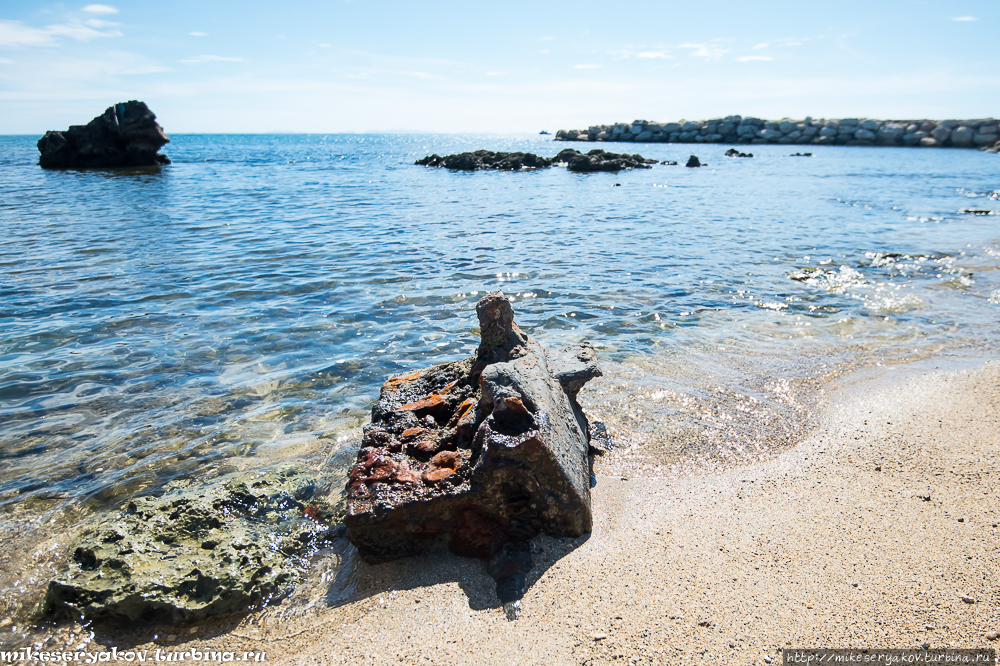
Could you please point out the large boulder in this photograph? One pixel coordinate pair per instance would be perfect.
(962, 136)
(125, 135)
(479, 455)
(196, 551)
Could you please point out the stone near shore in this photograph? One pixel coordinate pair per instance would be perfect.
(982, 133)
(479, 455)
(196, 551)
(125, 135)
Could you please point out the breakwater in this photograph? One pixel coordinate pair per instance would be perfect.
(982, 133)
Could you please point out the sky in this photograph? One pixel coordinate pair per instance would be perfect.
(512, 67)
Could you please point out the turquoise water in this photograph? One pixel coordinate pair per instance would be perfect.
(243, 305)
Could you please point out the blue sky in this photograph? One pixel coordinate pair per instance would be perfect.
(369, 65)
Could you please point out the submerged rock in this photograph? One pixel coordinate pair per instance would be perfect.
(732, 152)
(479, 455)
(195, 551)
(487, 159)
(125, 135)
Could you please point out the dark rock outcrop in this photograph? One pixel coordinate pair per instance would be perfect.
(801, 155)
(125, 135)
(595, 160)
(732, 152)
(487, 159)
(479, 455)
(196, 551)
(599, 160)
(693, 162)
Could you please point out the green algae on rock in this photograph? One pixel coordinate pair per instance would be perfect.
(196, 551)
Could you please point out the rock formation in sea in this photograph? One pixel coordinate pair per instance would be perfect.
(125, 135)
(693, 162)
(479, 455)
(732, 152)
(198, 550)
(599, 160)
(487, 159)
(981, 133)
(595, 160)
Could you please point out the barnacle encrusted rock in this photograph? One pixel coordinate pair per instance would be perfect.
(195, 551)
(478, 454)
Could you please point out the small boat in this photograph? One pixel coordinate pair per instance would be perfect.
(543, 132)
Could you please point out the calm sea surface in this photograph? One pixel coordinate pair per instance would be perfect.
(243, 305)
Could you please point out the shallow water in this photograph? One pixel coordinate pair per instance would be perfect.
(243, 305)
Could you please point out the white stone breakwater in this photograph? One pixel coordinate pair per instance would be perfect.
(982, 134)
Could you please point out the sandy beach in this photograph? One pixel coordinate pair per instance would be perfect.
(879, 530)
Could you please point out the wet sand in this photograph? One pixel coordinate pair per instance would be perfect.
(879, 530)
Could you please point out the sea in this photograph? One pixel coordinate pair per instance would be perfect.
(241, 307)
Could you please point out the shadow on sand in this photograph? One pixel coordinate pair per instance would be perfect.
(353, 582)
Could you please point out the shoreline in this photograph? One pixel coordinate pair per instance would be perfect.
(830, 543)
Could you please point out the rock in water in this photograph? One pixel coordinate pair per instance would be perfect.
(693, 161)
(595, 160)
(195, 551)
(125, 135)
(599, 160)
(732, 152)
(480, 454)
(486, 159)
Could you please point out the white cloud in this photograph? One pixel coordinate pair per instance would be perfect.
(753, 58)
(709, 50)
(545, 51)
(209, 58)
(15, 33)
(965, 18)
(586, 66)
(198, 34)
(653, 54)
(494, 73)
(545, 39)
(762, 45)
(325, 46)
(100, 9)
(6, 61)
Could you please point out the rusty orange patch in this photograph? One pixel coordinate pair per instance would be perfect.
(430, 402)
(393, 382)
(446, 459)
(427, 446)
(437, 474)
